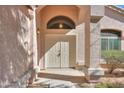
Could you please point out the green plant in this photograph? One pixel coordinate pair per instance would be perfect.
(109, 85)
(117, 54)
(114, 59)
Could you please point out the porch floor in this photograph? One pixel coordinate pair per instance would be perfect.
(59, 78)
(67, 74)
(64, 71)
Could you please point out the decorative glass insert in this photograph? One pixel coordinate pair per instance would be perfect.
(61, 22)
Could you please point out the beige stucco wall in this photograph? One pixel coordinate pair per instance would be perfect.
(95, 45)
(97, 10)
(51, 11)
(110, 23)
(79, 32)
(15, 47)
(113, 20)
(80, 44)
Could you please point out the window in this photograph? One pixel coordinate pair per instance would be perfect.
(60, 22)
(110, 40)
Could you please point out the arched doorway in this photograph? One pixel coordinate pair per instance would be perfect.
(60, 49)
(57, 23)
(56, 48)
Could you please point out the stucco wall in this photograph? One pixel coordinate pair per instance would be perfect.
(95, 45)
(15, 46)
(111, 23)
(80, 41)
(97, 10)
(51, 11)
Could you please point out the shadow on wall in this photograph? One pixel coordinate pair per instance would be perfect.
(15, 52)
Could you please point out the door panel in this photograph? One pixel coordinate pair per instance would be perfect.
(64, 54)
(52, 58)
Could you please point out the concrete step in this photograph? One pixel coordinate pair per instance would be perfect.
(73, 79)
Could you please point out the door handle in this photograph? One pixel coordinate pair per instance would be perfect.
(59, 53)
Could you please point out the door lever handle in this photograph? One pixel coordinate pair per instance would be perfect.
(58, 54)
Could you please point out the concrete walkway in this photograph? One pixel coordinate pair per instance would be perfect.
(54, 83)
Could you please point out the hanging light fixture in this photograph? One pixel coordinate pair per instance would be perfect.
(60, 25)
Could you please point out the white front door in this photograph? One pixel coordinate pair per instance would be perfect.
(58, 55)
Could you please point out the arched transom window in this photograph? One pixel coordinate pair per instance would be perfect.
(60, 22)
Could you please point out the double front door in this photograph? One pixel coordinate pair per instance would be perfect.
(58, 55)
(60, 51)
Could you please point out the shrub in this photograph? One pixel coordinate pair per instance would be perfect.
(117, 54)
(114, 59)
(109, 85)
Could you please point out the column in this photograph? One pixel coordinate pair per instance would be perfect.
(95, 50)
(33, 19)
